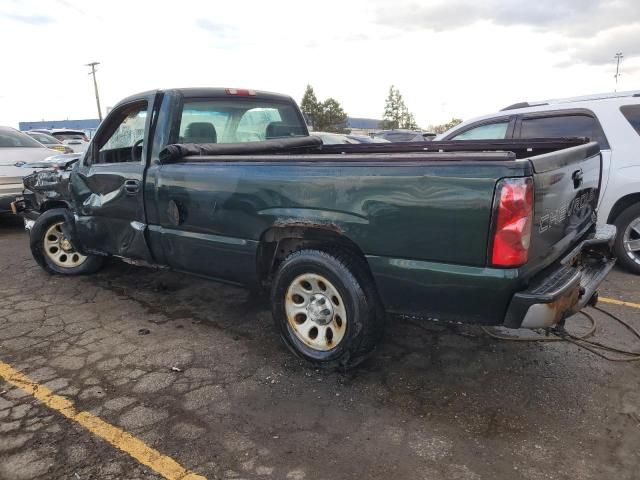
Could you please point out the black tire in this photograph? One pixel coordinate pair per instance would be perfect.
(350, 277)
(622, 222)
(92, 264)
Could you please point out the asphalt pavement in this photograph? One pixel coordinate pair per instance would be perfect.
(195, 372)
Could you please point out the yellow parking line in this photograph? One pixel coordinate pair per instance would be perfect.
(136, 448)
(613, 301)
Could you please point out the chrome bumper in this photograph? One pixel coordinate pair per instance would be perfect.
(567, 287)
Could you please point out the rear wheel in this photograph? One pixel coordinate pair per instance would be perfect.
(627, 244)
(54, 251)
(326, 308)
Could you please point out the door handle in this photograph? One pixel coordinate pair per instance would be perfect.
(132, 187)
(577, 178)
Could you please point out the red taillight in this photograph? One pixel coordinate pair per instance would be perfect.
(85, 138)
(514, 217)
(241, 92)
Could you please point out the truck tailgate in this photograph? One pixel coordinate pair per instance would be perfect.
(567, 184)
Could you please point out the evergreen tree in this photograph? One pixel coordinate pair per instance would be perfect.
(310, 106)
(333, 117)
(396, 113)
(327, 116)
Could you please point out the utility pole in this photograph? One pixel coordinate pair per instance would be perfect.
(618, 57)
(95, 85)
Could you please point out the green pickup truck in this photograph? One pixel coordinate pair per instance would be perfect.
(227, 184)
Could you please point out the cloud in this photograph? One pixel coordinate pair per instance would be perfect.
(575, 17)
(217, 29)
(600, 49)
(28, 19)
(593, 30)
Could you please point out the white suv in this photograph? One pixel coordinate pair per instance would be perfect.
(613, 119)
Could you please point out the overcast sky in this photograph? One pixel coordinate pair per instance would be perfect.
(448, 58)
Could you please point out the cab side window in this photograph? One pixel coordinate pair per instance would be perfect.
(487, 131)
(126, 131)
(558, 126)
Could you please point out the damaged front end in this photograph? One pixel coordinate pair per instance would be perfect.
(47, 187)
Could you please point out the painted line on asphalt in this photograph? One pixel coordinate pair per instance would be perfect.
(613, 301)
(136, 448)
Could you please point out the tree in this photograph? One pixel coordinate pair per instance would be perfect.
(396, 113)
(408, 121)
(310, 105)
(445, 126)
(332, 118)
(327, 116)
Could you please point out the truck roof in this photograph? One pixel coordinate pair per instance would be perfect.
(584, 98)
(205, 92)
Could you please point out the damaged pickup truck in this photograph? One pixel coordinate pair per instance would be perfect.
(228, 184)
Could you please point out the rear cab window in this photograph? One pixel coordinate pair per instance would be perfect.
(632, 114)
(238, 120)
(563, 125)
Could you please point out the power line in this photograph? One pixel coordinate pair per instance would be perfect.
(618, 56)
(95, 86)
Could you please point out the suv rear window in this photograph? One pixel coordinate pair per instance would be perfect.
(632, 114)
(557, 126)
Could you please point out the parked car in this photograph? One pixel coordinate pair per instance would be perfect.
(345, 139)
(16, 147)
(333, 138)
(339, 234)
(611, 119)
(77, 140)
(49, 141)
(366, 139)
(401, 135)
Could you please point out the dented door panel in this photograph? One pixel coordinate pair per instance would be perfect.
(109, 197)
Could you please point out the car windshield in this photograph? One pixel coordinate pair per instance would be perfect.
(44, 138)
(15, 139)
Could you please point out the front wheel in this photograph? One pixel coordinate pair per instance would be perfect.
(54, 252)
(326, 307)
(627, 246)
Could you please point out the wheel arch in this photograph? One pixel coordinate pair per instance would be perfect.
(51, 204)
(622, 204)
(277, 242)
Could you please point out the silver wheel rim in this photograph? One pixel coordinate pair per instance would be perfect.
(59, 250)
(315, 312)
(631, 240)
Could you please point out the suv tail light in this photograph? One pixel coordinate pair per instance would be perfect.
(512, 222)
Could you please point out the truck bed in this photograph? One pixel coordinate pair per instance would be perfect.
(311, 149)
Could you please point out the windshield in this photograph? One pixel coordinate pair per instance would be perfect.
(15, 139)
(43, 138)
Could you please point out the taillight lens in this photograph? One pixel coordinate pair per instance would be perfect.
(85, 138)
(514, 217)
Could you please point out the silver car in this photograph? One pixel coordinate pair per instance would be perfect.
(16, 148)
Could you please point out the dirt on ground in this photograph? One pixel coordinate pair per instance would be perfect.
(197, 371)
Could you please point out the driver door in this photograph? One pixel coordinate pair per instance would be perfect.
(107, 185)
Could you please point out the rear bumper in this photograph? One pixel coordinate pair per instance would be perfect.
(566, 287)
